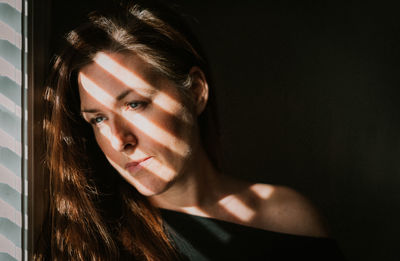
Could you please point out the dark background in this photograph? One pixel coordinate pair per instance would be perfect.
(308, 95)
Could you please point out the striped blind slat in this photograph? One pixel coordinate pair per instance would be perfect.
(10, 16)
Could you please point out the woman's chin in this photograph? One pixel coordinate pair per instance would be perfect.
(150, 188)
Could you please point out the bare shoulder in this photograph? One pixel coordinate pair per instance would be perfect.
(284, 210)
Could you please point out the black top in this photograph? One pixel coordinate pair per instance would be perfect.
(200, 238)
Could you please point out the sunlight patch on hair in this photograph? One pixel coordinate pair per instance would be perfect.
(68, 208)
(73, 38)
(48, 94)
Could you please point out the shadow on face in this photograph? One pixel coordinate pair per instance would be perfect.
(142, 125)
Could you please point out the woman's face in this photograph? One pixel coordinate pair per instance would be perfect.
(139, 120)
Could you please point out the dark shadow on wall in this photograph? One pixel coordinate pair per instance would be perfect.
(308, 98)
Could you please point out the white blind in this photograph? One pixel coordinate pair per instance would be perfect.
(13, 130)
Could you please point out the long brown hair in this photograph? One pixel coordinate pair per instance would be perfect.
(93, 213)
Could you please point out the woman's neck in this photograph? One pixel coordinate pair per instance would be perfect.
(197, 188)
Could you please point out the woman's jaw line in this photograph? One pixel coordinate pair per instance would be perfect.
(193, 188)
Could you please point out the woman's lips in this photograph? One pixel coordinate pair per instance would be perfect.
(135, 166)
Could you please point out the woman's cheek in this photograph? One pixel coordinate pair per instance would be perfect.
(103, 140)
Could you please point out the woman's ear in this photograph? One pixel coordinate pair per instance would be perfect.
(199, 89)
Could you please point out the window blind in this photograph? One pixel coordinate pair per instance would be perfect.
(13, 130)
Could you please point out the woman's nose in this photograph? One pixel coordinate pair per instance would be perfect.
(123, 138)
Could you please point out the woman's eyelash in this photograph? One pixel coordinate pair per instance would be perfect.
(97, 120)
(134, 105)
(129, 106)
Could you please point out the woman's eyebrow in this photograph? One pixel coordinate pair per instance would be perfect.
(123, 95)
(89, 111)
(139, 91)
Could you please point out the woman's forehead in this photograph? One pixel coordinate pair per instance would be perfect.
(115, 71)
(112, 76)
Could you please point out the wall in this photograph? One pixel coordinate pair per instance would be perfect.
(309, 96)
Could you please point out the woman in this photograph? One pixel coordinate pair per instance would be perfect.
(132, 91)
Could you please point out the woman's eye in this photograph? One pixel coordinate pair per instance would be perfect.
(134, 105)
(97, 120)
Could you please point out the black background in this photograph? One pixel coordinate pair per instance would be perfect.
(308, 95)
